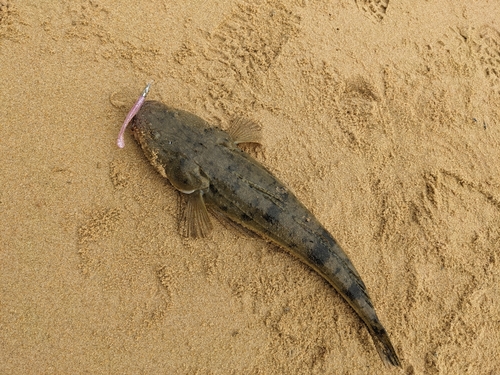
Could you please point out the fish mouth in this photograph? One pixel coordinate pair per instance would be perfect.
(140, 132)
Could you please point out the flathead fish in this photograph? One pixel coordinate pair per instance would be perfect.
(206, 165)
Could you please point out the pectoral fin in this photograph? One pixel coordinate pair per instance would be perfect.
(245, 131)
(195, 222)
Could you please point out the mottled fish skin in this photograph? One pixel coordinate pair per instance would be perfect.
(177, 143)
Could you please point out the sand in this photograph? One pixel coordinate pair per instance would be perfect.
(382, 116)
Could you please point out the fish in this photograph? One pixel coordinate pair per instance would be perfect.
(214, 174)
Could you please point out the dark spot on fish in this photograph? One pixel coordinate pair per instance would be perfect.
(319, 254)
(245, 217)
(354, 292)
(269, 219)
(236, 185)
(379, 330)
(273, 214)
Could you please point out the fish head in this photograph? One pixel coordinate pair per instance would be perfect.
(160, 133)
(173, 140)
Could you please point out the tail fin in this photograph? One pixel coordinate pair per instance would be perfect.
(384, 347)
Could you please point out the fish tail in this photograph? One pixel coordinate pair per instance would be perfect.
(384, 347)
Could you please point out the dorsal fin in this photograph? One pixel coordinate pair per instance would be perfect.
(243, 130)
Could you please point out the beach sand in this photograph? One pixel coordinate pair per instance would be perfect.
(382, 116)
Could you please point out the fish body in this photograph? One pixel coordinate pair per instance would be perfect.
(205, 163)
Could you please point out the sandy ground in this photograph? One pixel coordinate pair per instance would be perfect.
(382, 116)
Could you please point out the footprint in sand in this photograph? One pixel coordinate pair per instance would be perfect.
(374, 8)
(486, 43)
